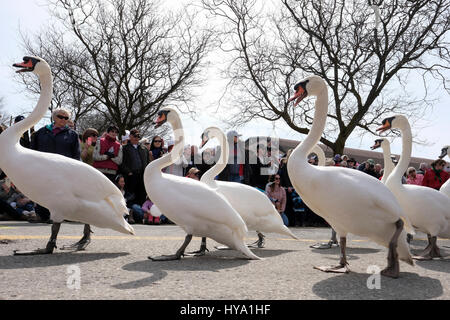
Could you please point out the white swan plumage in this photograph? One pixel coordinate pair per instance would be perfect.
(192, 205)
(254, 207)
(70, 189)
(371, 212)
(427, 209)
(445, 188)
(388, 164)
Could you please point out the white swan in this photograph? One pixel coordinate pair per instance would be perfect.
(428, 209)
(70, 189)
(253, 206)
(192, 205)
(371, 211)
(445, 188)
(388, 164)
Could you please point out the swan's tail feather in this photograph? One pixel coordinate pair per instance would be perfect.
(285, 230)
(119, 224)
(241, 246)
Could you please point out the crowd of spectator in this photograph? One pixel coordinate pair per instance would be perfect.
(123, 162)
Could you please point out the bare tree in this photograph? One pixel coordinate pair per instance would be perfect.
(123, 59)
(366, 65)
(4, 117)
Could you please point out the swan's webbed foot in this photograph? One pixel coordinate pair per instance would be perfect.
(178, 254)
(51, 245)
(198, 253)
(391, 271)
(166, 257)
(83, 243)
(431, 251)
(340, 268)
(78, 246)
(258, 243)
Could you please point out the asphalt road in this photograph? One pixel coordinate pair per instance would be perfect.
(115, 266)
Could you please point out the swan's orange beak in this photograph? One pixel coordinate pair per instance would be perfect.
(300, 94)
(25, 66)
(385, 126)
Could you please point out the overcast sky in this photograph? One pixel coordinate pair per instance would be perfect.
(31, 15)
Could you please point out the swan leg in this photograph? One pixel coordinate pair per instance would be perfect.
(327, 245)
(431, 251)
(83, 243)
(393, 268)
(258, 243)
(51, 244)
(178, 254)
(342, 267)
(201, 251)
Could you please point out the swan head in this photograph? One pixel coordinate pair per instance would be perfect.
(395, 122)
(444, 152)
(163, 117)
(310, 86)
(32, 64)
(378, 143)
(209, 133)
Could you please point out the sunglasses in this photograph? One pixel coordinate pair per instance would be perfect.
(277, 178)
(158, 141)
(62, 117)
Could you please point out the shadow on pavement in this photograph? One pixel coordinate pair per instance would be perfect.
(353, 286)
(214, 260)
(435, 265)
(55, 259)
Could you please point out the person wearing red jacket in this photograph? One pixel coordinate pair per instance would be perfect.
(108, 154)
(436, 176)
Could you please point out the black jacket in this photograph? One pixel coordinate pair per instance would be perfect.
(65, 143)
(127, 151)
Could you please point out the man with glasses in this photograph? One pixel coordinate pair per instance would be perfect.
(135, 159)
(58, 138)
(108, 154)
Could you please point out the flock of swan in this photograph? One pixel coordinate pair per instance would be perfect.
(382, 211)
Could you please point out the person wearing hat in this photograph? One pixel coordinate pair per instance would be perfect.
(135, 159)
(25, 138)
(337, 160)
(369, 168)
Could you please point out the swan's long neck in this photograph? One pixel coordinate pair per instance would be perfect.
(39, 111)
(172, 157)
(388, 165)
(396, 175)
(320, 116)
(209, 175)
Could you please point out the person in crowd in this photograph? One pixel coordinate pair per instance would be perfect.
(314, 160)
(13, 204)
(369, 168)
(277, 195)
(135, 160)
(146, 143)
(207, 161)
(378, 169)
(435, 177)
(126, 138)
(156, 148)
(88, 142)
(414, 177)
(193, 158)
(292, 214)
(108, 154)
(337, 160)
(351, 163)
(148, 217)
(176, 168)
(260, 168)
(423, 167)
(58, 138)
(193, 173)
(25, 138)
(235, 169)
